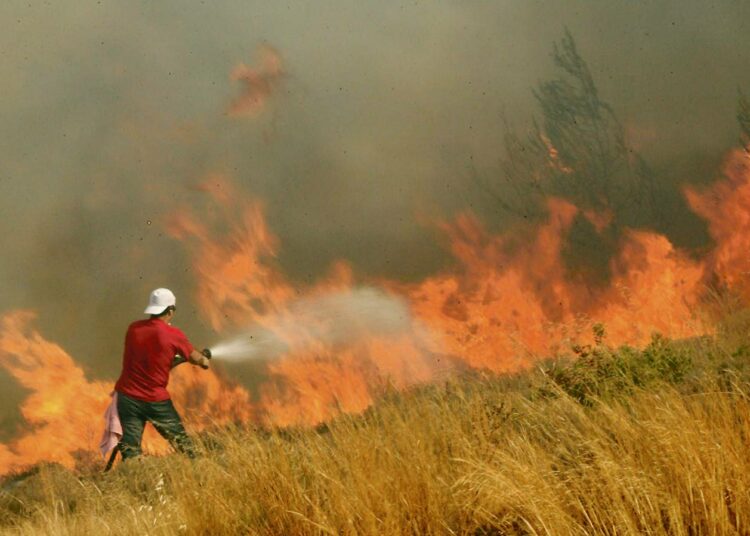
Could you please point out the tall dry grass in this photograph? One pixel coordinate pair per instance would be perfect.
(472, 456)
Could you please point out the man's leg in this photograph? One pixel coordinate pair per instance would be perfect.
(133, 420)
(167, 422)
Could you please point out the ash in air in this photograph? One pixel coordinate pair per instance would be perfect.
(336, 319)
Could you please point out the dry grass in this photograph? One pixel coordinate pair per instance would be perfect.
(473, 456)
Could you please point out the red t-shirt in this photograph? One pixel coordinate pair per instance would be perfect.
(150, 346)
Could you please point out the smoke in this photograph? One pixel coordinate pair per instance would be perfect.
(112, 112)
(336, 319)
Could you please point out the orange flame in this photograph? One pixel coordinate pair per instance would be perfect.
(62, 401)
(63, 408)
(258, 84)
(554, 156)
(239, 284)
(498, 309)
(726, 207)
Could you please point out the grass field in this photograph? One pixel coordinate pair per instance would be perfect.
(607, 442)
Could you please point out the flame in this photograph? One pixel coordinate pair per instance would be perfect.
(258, 84)
(62, 407)
(655, 289)
(554, 156)
(59, 408)
(726, 207)
(501, 309)
(494, 310)
(208, 399)
(239, 284)
(506, 301)
(600, 219)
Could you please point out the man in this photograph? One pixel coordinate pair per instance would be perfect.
(152, 347)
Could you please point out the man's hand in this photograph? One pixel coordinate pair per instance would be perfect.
(197, 358)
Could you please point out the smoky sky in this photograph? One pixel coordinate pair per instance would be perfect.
(112, 112)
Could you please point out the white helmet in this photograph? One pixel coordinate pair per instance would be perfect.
(160, 299)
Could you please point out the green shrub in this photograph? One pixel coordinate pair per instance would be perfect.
(599, 371)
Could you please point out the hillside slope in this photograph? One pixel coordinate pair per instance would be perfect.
(610, 442)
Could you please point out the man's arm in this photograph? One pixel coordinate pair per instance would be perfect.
(183, 348)
(198, 358)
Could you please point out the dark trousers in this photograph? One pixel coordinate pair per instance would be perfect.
(162, 415)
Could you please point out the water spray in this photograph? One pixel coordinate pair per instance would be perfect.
(334, 319)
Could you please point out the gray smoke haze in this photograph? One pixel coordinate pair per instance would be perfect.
(112, 111)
